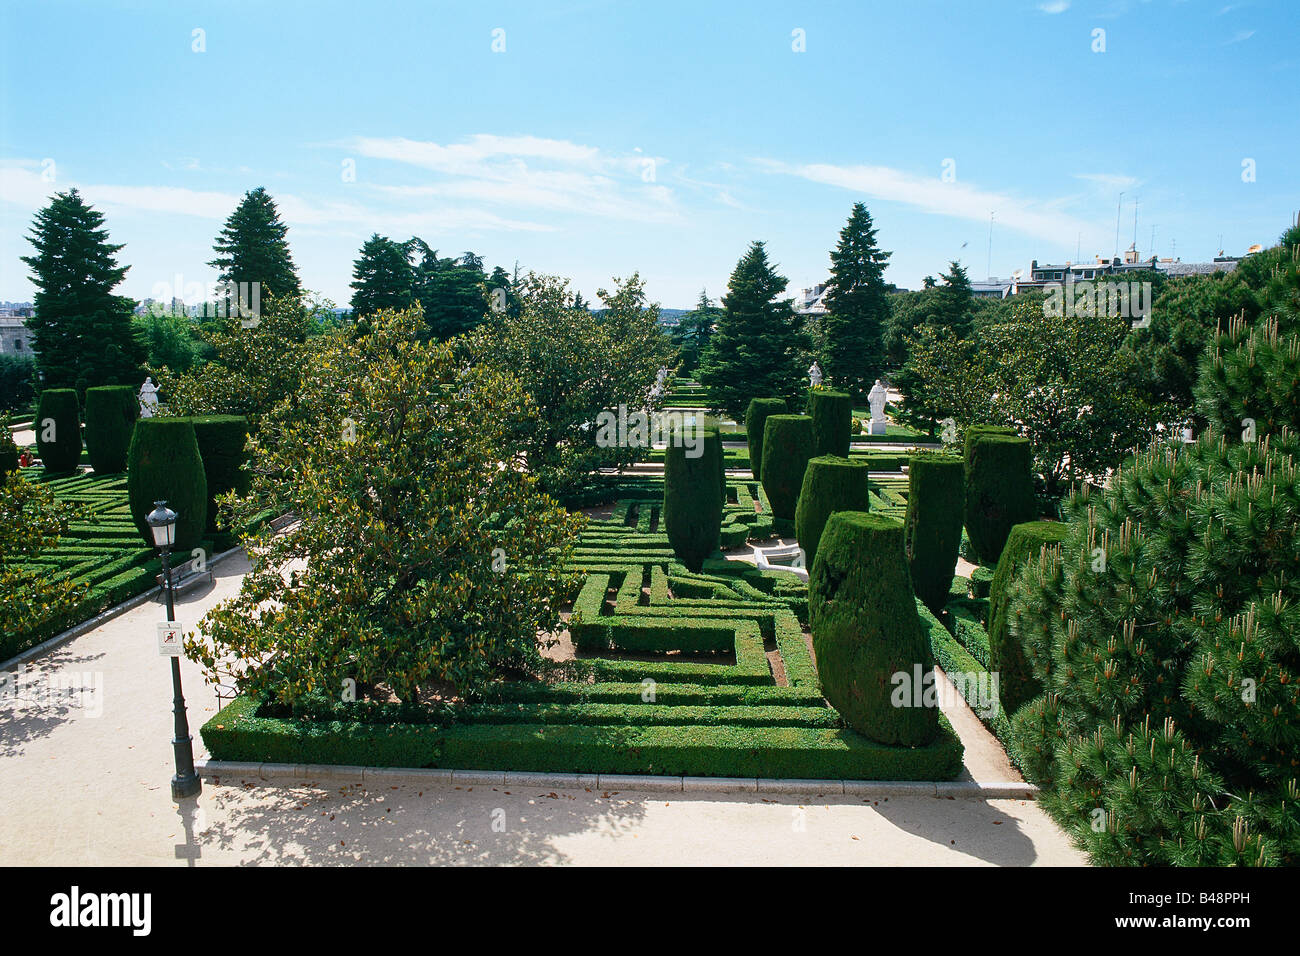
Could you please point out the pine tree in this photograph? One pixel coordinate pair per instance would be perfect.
(382, 277)
(954, 303)
(253, 247)
(694, 332)
(759, 342)
(82, 333)
(858, 305)
(450, 290)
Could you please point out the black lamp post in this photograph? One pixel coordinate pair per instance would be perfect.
(186, 783)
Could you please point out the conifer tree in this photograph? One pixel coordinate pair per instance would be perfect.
(759, 342)
(858, 304)
(253, 246)
(450, 290)
(82, 333)
(382, 277)
(694, 332)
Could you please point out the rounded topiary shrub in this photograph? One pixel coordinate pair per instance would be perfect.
(692, 510)
(1007, 657)
(163, 463)
(830, 484)
(111, 411)
(755, 418)
(933, 525)
(787, 446)
(221, 441)
(867, 635)
(832, 415)
(58, 430)
(999, 492)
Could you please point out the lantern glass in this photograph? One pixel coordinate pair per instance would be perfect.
(162, 524)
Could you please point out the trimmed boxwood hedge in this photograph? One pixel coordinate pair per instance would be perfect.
(164, 464)
(692, 508)
(787, 446)
(832, 415)
(999, 492)
(221, 440)
(866, 630)
(57, 417)
(933, 521)
(1006, 655)
(111, 411)
(830, 484)
(755, 418)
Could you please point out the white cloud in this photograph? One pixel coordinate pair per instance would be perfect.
(930, 194)
(1054, 6)
(1240, 36)
(1110, 181)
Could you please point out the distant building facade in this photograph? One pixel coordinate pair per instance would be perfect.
(15, 337)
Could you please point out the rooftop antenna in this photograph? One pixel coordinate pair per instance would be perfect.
(1078, 247)
(1118, 207)
(1136, 203)
(1174, 255)
(1153, 240)
(988, 269)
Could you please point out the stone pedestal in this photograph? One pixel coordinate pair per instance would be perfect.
(876, 428)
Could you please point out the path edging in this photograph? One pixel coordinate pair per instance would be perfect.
(314, 774)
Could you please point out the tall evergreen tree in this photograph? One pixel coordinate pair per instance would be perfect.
(759, 342)
(694, 332)
(382, 277)
(858, 305)
(450, 290)
(253, 246)
(82, 333)
(954, 303)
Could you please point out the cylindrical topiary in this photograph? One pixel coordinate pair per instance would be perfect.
(832, 415)
(830, 484)
(873, 656)
(58, 431)
(935, 502)
(787, 446)
(221, 441)
(713, 436)
(755, 418)
(111, 411)
(999, 492)
(1006, 654)
(164, 464)
(692, 510)
(974, 432)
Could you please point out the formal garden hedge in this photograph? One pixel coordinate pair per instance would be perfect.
(111, 411)
(671, 677)
(692, 508)
(935, 502)
(58, 431)
(164, 464)
(787, 446)
(221, 440)
(755, 419)
(866, 630)
(829, 484)
(832, 419)
(999, 491)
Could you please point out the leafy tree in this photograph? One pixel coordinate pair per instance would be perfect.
(694, 332)
(253, 246)
(16, 381)
(382, 277)
(574, 364)
(858, 305)
(170, 341)
(759, 343)
(429, 560)
(451, 291)
(31, 522)
(82, 333)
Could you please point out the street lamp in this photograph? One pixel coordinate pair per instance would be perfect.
(186, 783)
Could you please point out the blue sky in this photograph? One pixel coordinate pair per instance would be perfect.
(610, 137)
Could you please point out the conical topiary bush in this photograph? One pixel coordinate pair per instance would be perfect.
(867, 634)
(832, 415)
(935, 501)
(111, 411)
(58, 431)
(164, 464)
(830, 484)
(692, 510)
(755, 419)
(787, 446)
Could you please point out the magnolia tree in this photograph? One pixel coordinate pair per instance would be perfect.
(31, 523)
(575, 364)
(425, 556)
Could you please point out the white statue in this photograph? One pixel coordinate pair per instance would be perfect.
(148, 398)
(876, 398)
(815, 374)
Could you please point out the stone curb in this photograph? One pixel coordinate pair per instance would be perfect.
(58, 640)
(316, 774)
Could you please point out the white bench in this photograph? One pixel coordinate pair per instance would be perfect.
(773, 559)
